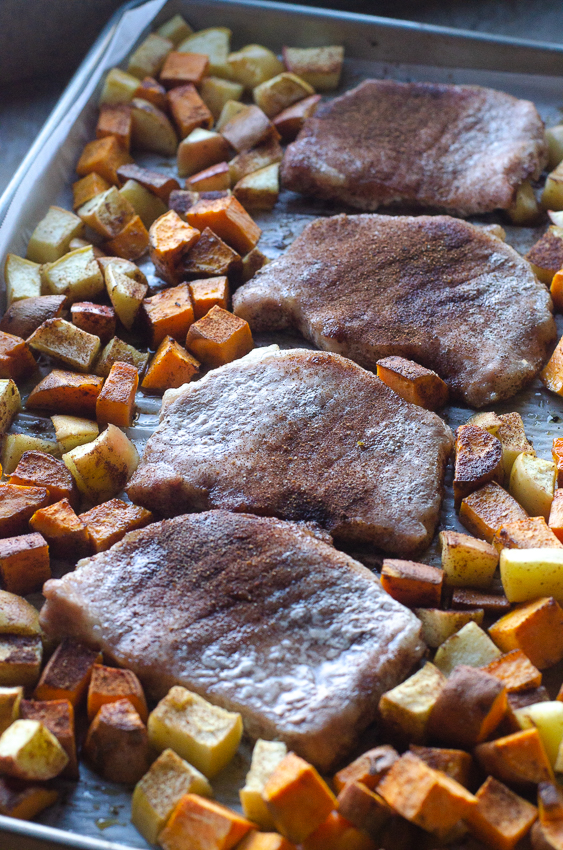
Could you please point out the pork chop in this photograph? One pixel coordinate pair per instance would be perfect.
(463, 149)
(433, 289)
(301, 435)
(260, 616)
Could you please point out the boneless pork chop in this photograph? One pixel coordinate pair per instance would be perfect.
(260, 616)
(301, 435)
(464, 149)
(434, 289)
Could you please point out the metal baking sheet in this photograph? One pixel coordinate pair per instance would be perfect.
(93, 814)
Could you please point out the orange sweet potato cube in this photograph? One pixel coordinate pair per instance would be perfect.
(519, 759)
(412, 382)
(297, 798)
(116, 402)
(170, 238)
(487, 509)
(201, 824)
(457, 764)
(171, 367)
(58, 716)
(424, 796)
(515, 671)
(17, 506)
(110, 684)
(97, 319)
(16, 359)
(552, 373)
(557, 457)
(188, 109)
(288, 123)
(169, 313)
(104, 156)
(87, 188)
(131, 242)
(266, 841)
(38, 469)
(412, 584)
(159, 184)
(534, 627)
(24, 563)
(555, 521)
(115, 120)
(363, 808)
(151, 90)
(219, 338)
(67, 674)
(212, 179)
(182, 68)
(211, 257)
(228, 219)
(208, 293)
(500, 818)
(22, 800)
(556, 290)
(66, 392)
(338, 833)
(531, 533)
(65, 533)
(117, 743)
(109, 522)
(368, 768)
(474, 695)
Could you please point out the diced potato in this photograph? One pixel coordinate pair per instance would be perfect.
(109, 523)
(547, 718)
(547, 833)
(228, 219)
(556, 456)
(102, 468)
(556, 516)
(175, 30)
(170, 239)
(552, 195)
(20, 661)
(411, 583)
(274, 841)
(111, 684)
(489, 421)
(76, 275)
(513, 439)
(457, 764)
(515, 671)
(16, 360)
(216, 178)
(472, 600)
(266, 756)
(126, 293)
(467, 561)
(65, 533)
(219, 338)
(554, 138)
(478, 460)
(204, 734)
(15, 445)
(188, 110)
(24, 563)
(171, 367)
(519, 759)
(115, 350)
(38, 469)
(534, 627)
(104, 156)
(161, 789)
(488, 509)
(10, 699)
(96, 319)
(260, 190)
(181, 68)
(527, 574)
(58, 717)
(50, 239)
(199, 150)
(119, 87)
(546, 256)
(470, 646)
(154, 181)
(469, 707)
(532, 483)
(115, 120)
(149, 57)
(438, 625)
(213, 43)
(319, 66)
(532, 533)
(17, 506)
(211, 257)
(201, 824)
(406, 708)
(152, 130)
(107, 213)
(279, 92)
(17, 617)
(117, 744)
(524, 208)
(255, 159)
(500, 818)
(229, 110)
(147, 205)
(72, 431)
(247, 128)
(29, 751)
(289, 121)
(369, 768)
(362, 807)
(131, 242)
(67, 673)
(181, 200)
(216, 92)
(10, 405)
(253, 65)
(22, 279)
(552, 373)
(65, 342)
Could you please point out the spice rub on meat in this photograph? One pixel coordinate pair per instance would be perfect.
(463, 149)
(301, 435)
(258, 615)
(434, 289)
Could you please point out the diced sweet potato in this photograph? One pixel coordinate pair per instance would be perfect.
(519, 759)
(67, 673)
(488, 509)
(532, 533)
(555, 521)
(426, 797)
(405, 709)
(170, 239)
(289, 122)
(20, 660)
(182, 68)
(368, 768)
(131, 242)
(109, 522)
(110, 684)
(319, 66)
(66, 392)
(87, 188)
(521, 699)
(181, 200)
(104, 156)
(24, 801)
(188, 109)
(211, 257)
(478, 459)
(16, 360)
(171, 367)
(201, 824)
(169, 313)
(228, 219)
(64, 532)
(275, 841)
(457, 764)
(363, 808)
(470, 600)
(208, 293)
(500, 818)
(536, 628)
(17, 617)
(38, 469)
(411, 583)
(58, 717)
(515, 671)
(117, 744)
(298, 799)
(211, 179)
(24, 563)
(116, 402)
(219, 338)
(160, 184)
(546, 255)
(513, 438)
(475, 696)
(248, 128)
(412, 382)
(151, 90)
(17, 506)
(556, 453)
(115, 120)
(97, 319)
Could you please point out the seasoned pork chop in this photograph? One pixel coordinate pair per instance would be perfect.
(301, 435)
(433, 289)
(261, 616)
(464, 149)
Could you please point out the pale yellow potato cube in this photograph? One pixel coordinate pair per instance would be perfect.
(547, 717)
(532, 484)
(20, 660)
(50, 239)
(253, 65)
(29, 751)
(513, 440)
(488, 421)
(76, 275)
(148, 206)
(102, 468)
(524, 209)
(230, 109)
(214, 43)
(199, 150)
(266, 756)
(175, 30)
(10, 699)
(115, 350)
(157, 793)
(66, 342)
(438, 625)
(119, 87)
(126, 294)
(260, 189)
(528, 574)
(72, 431)
(148, 58)
(151, 129)
(471, 646)
(17, 616)
(107, 213)
(406, 708)
(552, 195)
(22, 278)
(10, 404)
(554, 138)
(14, 445)
(319, 66)
(204, 734)
(467, 561)
(216, 92)
(556, 217)
(275, 95)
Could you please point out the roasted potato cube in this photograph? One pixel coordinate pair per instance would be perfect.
(438, 625)
(87, 188)
(488, 509)
(552, 373)
(25, 316)
(108, 523)
(107, 213)
(182, 200)
(149, 57)
(471, 694)
(67, 674)
(175, 30)
(478, 460)
(247, 128)
(412, 382)
(522, 699)
(208, 293)
(161, 789)
(527, 574)
(65, 533)
(170, 367)
(524, 208)
(119, 87)
(181, 68)
(17, 506)
(279, 92)
(126, 293)
(28, 750)
(556, 452)
(20, 661)
(104, 156)
(513, 439)
(24, 563)
(131, 242)
(72, 431)
(515, 671)
(10, 404)
(412, 583)
(500, 818)
(169, 313)
(22, 279)
(368, 768)
(472, 600)
(188, 110)
(117, 745)
(552, 195)
(50, 239)
(489, 421)
(530, 533)
(260, 190)
(116, 350)
(212, 179)
(470, 646)
(229, 110)
(170, 239)
(158, 184)
(204, 734)
(266, 756)
(66, 343)
(274, 841)
(227, 218)
(532, 483)
(151, 129)
(253, 65)
(96, 319)
(534, 627)
(76, 275)
(16, 360)
(319, 66)
(219, 338)
(466, 561)
(556, 517)
(102, 468)
(547, 718)
(10, 700)
(406, 708)
(58, 717)
(519, 759)
(556, 288)
(363, 808)
(111, 684)
(216, 92)
(546, 256)
(146, 205)
(213, 43)
(267, 153)
(17, 617)
(116, 402)
(14, 445)
(289, 121)
(115, 120)
(211, 257)
(554, 138)
(203, 825)
(457, 764)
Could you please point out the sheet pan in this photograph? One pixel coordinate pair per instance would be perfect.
(93, 814)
